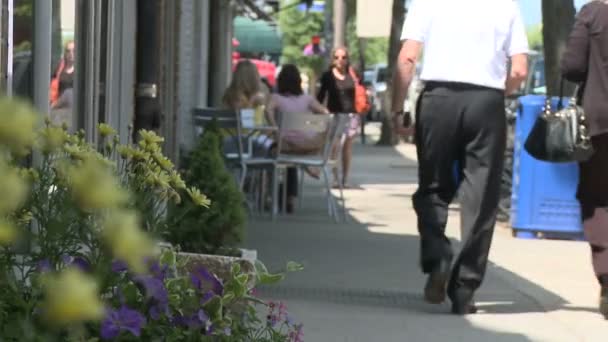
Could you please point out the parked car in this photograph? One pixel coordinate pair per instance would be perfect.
(375, 82)
(375, 79)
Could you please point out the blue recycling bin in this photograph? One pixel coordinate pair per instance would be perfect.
(543, 194)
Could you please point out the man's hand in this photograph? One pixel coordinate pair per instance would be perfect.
(402, 124)
(518, 74)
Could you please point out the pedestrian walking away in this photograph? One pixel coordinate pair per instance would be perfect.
(585, 62)
(460, 122)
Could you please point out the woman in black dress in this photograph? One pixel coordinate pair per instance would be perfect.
(585, 61)
(338, 88)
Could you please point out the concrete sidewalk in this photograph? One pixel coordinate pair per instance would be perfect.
(362, 283)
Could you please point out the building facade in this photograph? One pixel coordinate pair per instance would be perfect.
(141, 63)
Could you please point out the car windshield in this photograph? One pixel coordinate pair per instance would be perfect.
(368, 76)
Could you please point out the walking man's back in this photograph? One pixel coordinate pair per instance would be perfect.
(460, 121)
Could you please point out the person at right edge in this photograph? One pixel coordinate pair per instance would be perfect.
(585, 62)
(461, 123)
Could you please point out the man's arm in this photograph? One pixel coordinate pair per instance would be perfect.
(404, 72)
(518, 74)
(517, 49)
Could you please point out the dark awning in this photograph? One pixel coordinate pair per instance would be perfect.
(257, 36)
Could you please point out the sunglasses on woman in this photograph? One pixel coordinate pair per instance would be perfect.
(341, 57)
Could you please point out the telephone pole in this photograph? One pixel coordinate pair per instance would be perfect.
(339, 23)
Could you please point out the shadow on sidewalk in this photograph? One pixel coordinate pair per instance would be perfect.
(363, 268)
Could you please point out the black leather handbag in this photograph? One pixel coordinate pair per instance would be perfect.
(561, 136)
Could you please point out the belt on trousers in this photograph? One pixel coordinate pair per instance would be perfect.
(430, 85)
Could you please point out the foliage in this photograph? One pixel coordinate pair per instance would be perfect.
(297, 29)
(535, 37)
(222, 224)
(75, 261)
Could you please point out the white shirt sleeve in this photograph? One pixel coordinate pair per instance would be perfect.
(517, 43)
(417, 21)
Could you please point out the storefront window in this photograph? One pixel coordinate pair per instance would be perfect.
(23, 36)
(63, 62)
(61, 79)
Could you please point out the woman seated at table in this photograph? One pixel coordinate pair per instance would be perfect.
(246, 91)
(290, 98)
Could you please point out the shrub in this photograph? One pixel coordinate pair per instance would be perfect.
(221, 226)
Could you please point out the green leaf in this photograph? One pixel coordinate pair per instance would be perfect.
(260, 267)
(130, 292)
(269, 279)
(168, 258)
(242, 279)
(214, 308)
(293, 266)
(175, 299)
(228, 297)
(255, 300)
(236, 269)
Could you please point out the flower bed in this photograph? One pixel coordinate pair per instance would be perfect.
(79, 257)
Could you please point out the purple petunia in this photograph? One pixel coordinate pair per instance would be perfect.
(123, 319)
(155, 289)
(157, 270)
(196, 321)
(82, 264)
(202, 279)
(119, 266)
(79, 262)
(43, 266)
(207, 297)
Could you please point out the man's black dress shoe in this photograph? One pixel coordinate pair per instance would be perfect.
(434, 290)
(464, 309)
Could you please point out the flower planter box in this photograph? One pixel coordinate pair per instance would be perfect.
(218, 265)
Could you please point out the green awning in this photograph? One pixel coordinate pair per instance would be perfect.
(256, 36)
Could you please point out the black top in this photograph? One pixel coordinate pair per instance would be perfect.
(586, 61)
(340, 93)
(66, 81)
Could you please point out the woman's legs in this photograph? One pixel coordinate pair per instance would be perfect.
(593, 196)
(595, 223)
(347, 157)
(292, 188)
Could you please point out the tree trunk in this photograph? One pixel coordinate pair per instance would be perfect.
(558, 19)
(387, 136)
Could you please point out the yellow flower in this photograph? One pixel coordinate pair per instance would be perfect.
(31, 175)
(162, 161)
(177, 181)
(52, 138)
(94, 186)
(8, 233)
(127, 241)
(18, 122)
(150, 137)
(106, 130)
(75, 152)
(13, 189)
(198, 198)
(125, 152)
(71, 297)
(139, 155)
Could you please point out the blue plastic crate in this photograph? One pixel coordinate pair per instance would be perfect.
(543, 194)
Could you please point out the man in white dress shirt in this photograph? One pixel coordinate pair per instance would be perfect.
(460, 120)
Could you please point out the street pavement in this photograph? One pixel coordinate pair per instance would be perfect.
(362, 282)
